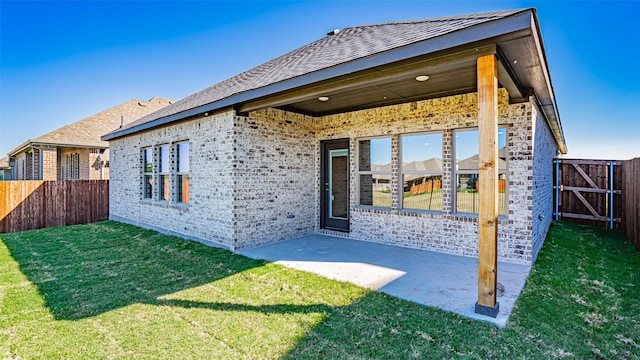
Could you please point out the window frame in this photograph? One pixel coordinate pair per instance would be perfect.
(178, 183)
(164, 175)
(145, 173)
(455, 171)
(158, 185)
(71, 167)
(402, 172)
(371, 172)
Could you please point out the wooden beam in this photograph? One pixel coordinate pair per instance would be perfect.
(585, 217)
(586, 204)
(509, 80)
(488, 185)
(590, 162)
(586, 177)
(589, 190)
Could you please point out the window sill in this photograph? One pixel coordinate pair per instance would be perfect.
(502, 219)
(165, 204)
(373, 209)
(420, 213)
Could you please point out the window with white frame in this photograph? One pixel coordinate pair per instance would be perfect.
(421, 177)
(466, 170)
(165, 171)
(147, 176)
(182, 174)
(374, 172)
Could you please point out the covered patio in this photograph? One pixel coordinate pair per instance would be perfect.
(448, 282)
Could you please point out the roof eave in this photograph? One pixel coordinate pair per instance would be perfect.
(551, 110)
(29, 143)
(492, 29)
(20, 148)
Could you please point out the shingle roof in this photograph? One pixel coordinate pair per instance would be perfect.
(4, 163)
(349, 44)
(87, 132)
(473, 162)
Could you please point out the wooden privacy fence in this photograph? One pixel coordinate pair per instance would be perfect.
(631, 200)
(588, 191)
(600, 193)
(27, 205)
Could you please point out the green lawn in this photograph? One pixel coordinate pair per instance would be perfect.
(110, 290)
(466, 201)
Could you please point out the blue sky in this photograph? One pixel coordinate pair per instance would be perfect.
(63, 61)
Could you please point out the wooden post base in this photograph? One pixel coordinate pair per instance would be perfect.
(487, 310)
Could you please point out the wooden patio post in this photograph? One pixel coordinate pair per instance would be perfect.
(488, 185)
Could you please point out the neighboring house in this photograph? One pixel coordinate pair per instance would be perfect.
(75, 151)
(295, 145)
(5, 169)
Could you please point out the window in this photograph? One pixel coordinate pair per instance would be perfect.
(147, 177)
(165, 170)
(170, 173)
(182, 177)
(72, 167)
(374, 172)
(422, 171)
(466, 169)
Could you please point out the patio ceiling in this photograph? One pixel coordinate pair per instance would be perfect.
(520, 72)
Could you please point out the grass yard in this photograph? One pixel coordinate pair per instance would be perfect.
(110, 290)
(431, 200)
(466, 201)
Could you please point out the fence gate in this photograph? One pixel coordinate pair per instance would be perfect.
(588, 191)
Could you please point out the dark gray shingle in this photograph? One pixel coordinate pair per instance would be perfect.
(349, 44)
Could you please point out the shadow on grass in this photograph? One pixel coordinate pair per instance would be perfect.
(86, 270)
(266, 309)
(379, 326)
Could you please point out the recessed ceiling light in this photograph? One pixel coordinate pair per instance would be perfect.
(323, 98)
(422, 78)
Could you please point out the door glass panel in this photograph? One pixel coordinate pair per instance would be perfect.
(339, 183)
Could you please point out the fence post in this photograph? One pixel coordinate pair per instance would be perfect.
(557, 189)
(611, 195)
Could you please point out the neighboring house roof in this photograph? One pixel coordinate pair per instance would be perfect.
(4, 163)
(430, 165)
(354, 50)
(473, 162)
(87, 132)
(433, 164)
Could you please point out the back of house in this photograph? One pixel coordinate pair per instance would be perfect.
(369, 133)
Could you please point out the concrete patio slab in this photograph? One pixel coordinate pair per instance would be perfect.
(445, 281)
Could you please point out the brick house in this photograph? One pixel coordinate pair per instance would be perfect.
(297, 145)
(75, 151)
